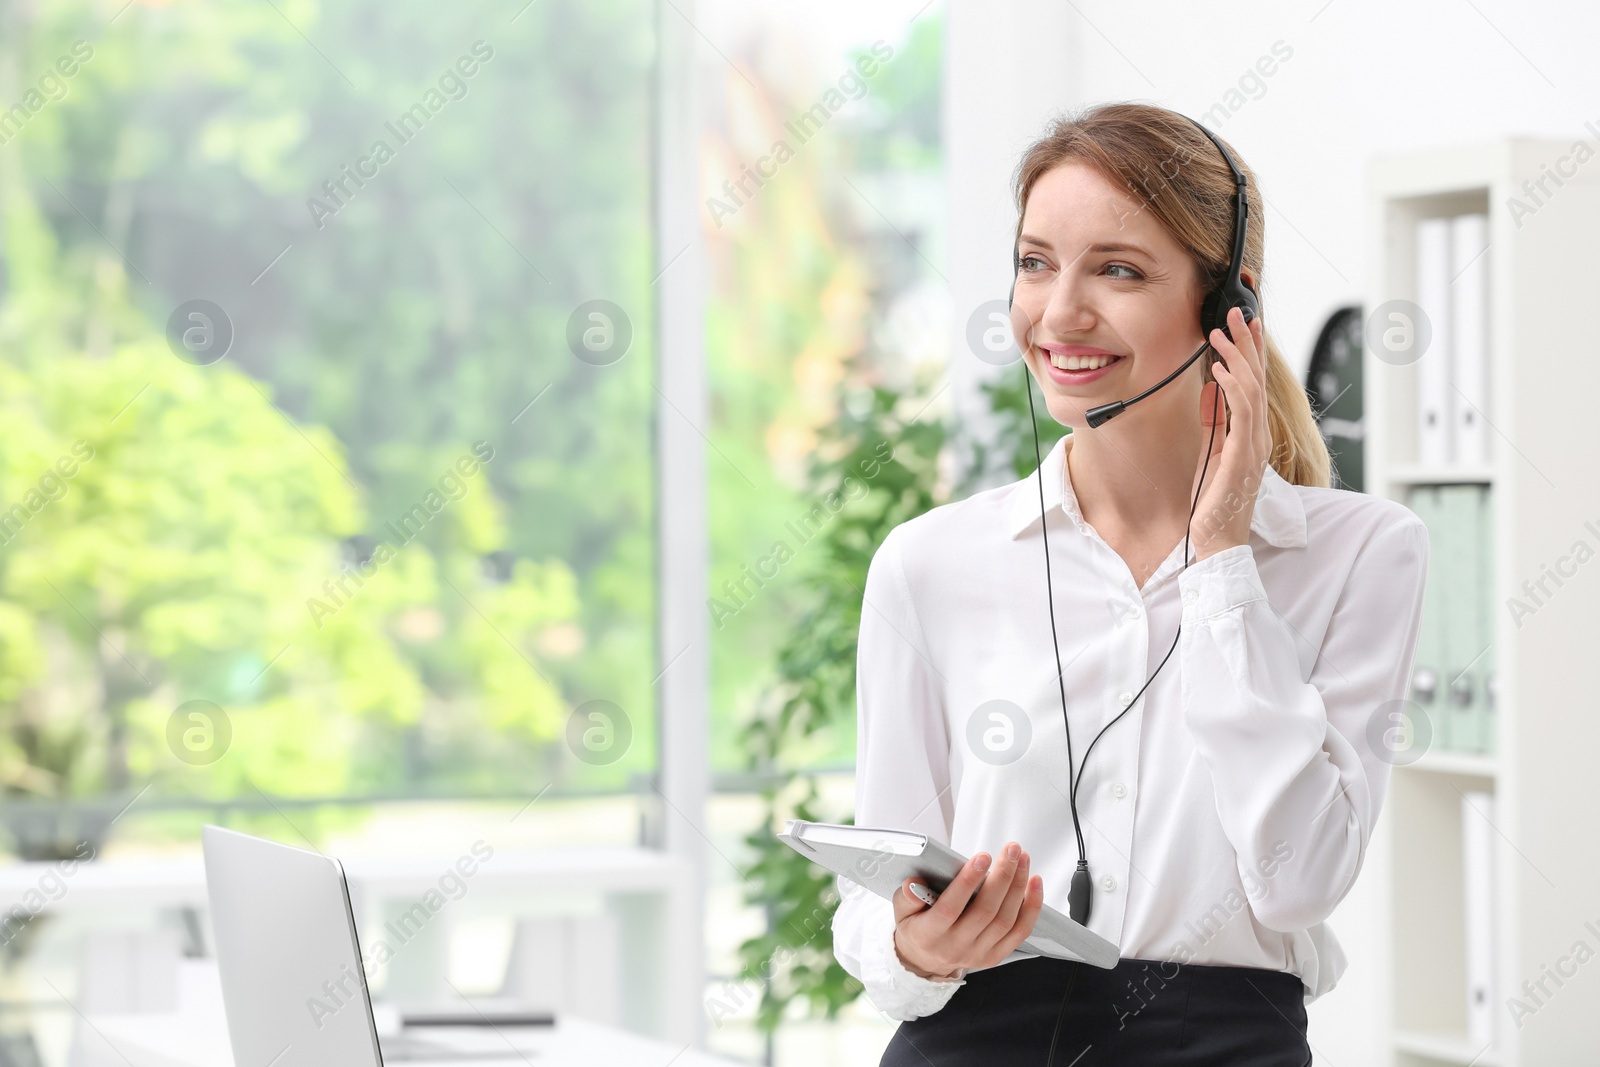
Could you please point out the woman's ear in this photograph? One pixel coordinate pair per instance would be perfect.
(1249, 279)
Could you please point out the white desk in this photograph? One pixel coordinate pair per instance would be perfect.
(190, 1041)
(649, 890)
(197, 1036)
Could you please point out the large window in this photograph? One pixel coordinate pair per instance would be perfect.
(822, 205)
(328, 503)
(326, 337)
(822, 178)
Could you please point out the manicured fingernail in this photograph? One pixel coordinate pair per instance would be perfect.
(1013, 851)
(981, 861)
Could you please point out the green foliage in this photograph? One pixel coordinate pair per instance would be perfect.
(190, 558)
(896, 461)
(815, 694)
(796, 951)
(1014, 454)
(904, 108)
(167, 535)
(784, 330)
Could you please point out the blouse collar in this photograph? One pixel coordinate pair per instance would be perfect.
(1279, 517)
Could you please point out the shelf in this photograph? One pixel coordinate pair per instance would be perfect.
(1445, 1049)
(1536, 334)
(1446, 762)
(1412, 474)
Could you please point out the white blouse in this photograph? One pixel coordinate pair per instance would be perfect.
(1229, 811)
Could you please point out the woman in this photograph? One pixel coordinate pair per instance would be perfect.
(1230, 798)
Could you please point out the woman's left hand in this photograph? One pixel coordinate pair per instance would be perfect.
(1241, 442)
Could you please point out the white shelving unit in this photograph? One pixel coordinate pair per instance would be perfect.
(1544, 380)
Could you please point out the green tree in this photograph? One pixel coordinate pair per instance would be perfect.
(429, 311)
(170, 535)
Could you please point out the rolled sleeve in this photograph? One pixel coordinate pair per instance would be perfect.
(1298, 785)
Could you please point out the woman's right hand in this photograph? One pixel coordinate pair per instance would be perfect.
(961, 930)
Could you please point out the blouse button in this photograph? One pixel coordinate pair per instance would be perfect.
(1125, 698)
(1134, 612)
(1119, 790)
(1191, 595)
(1108, 883)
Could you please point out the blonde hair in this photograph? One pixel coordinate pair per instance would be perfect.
(1163, 160)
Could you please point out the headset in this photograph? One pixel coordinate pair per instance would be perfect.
(1231, 292)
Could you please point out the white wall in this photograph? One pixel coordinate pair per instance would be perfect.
(1364, 79)
(996, 101)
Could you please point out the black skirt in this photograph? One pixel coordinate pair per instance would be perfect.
(1146, 1013)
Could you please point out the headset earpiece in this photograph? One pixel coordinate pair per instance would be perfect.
(1214, 312)
(1232, 292)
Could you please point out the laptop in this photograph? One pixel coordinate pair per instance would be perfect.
(289, 958)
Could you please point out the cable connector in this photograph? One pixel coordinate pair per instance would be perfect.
(1079, 895)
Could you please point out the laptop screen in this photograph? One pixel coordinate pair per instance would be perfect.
(292, 982)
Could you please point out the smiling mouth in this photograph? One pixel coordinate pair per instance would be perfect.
(1061, 362)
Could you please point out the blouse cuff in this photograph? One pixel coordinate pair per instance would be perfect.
(909, 993)
(1220, 583)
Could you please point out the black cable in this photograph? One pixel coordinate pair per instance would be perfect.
(1049, 589)
(1073, 778)
(1051, 1059)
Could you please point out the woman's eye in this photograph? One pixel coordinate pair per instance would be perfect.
(1025, 264)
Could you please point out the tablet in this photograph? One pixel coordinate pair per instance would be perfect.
(881, 859)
